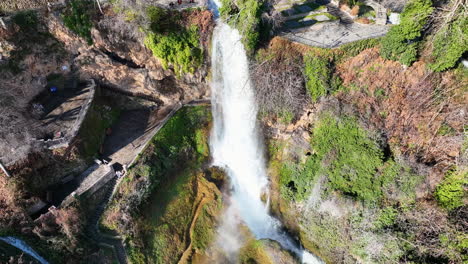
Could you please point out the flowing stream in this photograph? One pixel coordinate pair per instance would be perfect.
(20, 244)
(236, 147)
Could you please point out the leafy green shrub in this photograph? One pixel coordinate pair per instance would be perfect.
(450, 43)
(296, 180)
(401, 42)
(386, 218)
(349, 157)
(318, 74)
(245, 16)
(452, 190)
(78, 20)
(180, 49)
(174, 44)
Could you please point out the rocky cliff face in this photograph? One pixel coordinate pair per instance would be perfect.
(117, 60)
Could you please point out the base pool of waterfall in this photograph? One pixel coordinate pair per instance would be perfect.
(235, 144)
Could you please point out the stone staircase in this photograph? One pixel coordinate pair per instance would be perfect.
(344, 18)
(92, 229)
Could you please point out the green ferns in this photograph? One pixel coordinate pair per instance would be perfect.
(245, 16)
(452, 190)
(402, 41)
(176, 46)
(78, 20)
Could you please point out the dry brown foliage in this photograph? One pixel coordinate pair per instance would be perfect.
(278, 77)
(64, 221)
(12, 214)
(204, 20)
(410, 105)
(425, 224)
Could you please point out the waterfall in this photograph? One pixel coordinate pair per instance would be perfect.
(235, 145)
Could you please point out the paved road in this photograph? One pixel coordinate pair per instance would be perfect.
(334, 34)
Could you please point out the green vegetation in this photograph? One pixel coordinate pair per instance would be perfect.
(348, 157)
(253, 252)
(386, 218)
(352, 162)
(354, 48)
(297, 180)
(163, 189)
(172, 42)
(318, 74)
(450, 43)
(402, 41)
(178, 142)
(451, 192)
(78, 19)
(245, 16)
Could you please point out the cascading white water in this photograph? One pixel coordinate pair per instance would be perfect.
(235, 146)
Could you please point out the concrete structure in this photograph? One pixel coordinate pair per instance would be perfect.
(380, 12)
(84, 100)
(92, 180)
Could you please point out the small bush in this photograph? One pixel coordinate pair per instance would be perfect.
(173, 43)
(78, 20)
(297, 180)
(386, 218)
(180, 49)
(401, 42)
(318, 74)
(452, 190)
(245, 16)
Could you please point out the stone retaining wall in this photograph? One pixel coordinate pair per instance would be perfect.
(65, 140)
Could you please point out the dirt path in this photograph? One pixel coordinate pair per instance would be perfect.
(188, 252)
(204, 196)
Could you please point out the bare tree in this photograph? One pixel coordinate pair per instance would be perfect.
(279, 84)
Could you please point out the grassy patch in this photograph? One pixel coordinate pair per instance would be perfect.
(386, 218)
(450, 43)
(296, 179)
(354, 48)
